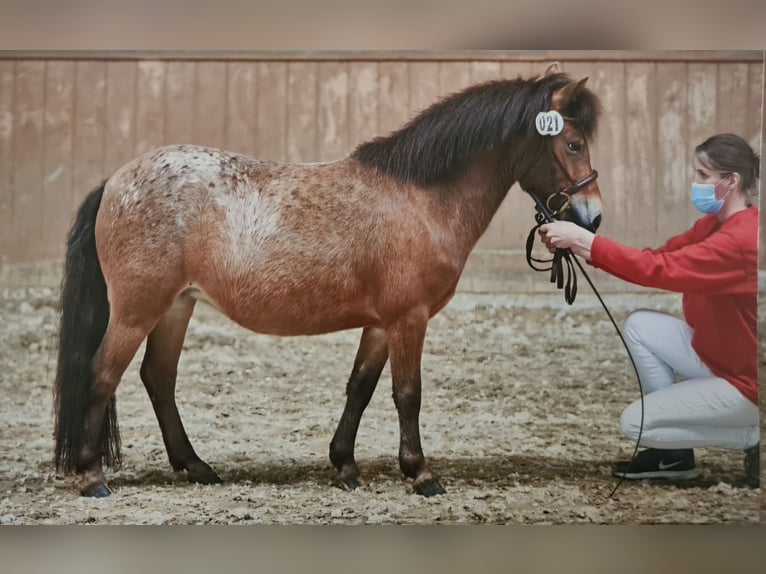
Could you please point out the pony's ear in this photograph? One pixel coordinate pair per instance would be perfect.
(563, 96)
(554, 68)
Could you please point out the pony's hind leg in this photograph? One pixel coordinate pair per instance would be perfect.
(117, 349)
(158, 373)
(370, 360)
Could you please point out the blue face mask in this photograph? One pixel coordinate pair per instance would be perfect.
(703, 197)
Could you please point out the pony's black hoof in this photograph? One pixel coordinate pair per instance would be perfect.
(201, 473)
(430, 488)
(96, 491)
(206, 478)
(349, 484)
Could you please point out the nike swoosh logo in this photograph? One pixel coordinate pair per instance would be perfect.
(664, 466)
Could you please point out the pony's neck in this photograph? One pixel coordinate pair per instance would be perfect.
(475, 196)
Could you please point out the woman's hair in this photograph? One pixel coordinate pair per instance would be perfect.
(729, 153)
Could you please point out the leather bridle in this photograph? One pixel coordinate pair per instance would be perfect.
(568, 191)
(546, 213)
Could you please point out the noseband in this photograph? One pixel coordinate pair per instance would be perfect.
(568, 191)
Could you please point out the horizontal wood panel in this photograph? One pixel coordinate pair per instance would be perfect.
(409, 56)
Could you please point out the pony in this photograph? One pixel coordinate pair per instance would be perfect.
(376, 240)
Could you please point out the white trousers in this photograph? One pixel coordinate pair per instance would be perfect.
(701, 410)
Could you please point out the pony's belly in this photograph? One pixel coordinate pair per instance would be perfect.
(303, 327)
(288, 322)
(286, 316)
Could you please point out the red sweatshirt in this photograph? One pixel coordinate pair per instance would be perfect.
(715, 266)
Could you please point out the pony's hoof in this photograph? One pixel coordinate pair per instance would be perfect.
(349, 484)
(429, 488)
(204, 476)
(96, 491)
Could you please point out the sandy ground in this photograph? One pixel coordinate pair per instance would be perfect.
(520, 419)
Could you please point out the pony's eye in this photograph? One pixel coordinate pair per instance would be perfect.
(575, 146)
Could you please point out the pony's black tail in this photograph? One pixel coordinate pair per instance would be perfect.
(84, 309)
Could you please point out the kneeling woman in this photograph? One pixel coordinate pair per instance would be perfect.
(714, 350)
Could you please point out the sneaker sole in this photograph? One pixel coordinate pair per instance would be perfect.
(667, 474)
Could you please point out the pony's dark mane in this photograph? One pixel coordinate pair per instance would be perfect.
(443, 137)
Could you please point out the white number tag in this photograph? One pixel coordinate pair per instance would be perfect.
(549, 123)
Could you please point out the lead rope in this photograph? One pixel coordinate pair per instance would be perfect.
(556, 263)
(544, 216)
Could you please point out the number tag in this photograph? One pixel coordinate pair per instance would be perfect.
(549, 123)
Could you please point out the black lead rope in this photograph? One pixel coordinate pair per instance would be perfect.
(542, 217)
(556, 263)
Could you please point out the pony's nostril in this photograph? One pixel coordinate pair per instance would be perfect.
(596, 223)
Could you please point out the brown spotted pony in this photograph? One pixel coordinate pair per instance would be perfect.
(376, 240)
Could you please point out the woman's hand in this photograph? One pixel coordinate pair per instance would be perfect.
(567, 235)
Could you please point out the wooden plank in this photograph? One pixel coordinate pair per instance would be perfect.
(7, 82)
(180, 95)
(523, 70)
(89, 132)
(150, 105)
(641, 153)
(701, 115)
(302, 111)
(27, 223)
(241, 107)
(485, 71)
(271, 113)
(210, 104)
(401, 55)
(425, 86)
(608, 151)
(393, 96)
(58, 204)
(755, 91)
(732, 99)
(120, 115)
(454, 77)
(672, 193)
(576, 70)
(362, 102)
(333, 111)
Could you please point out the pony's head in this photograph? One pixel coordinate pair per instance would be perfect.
(560, 174)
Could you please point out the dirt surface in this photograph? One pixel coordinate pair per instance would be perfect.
(520, 419)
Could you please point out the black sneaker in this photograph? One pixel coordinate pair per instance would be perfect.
(672, 464)
(752, 477)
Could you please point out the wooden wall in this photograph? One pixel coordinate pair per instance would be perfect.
(66, 122)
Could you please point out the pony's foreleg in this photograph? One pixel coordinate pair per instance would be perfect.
(117, 349)
(370, 360)
(405, 344)
(158, 373)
